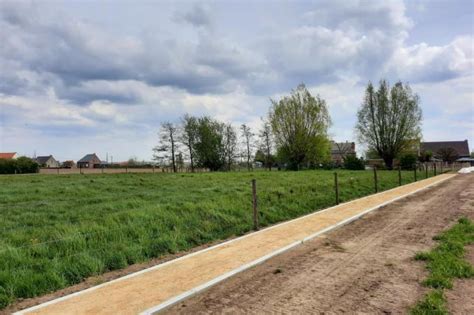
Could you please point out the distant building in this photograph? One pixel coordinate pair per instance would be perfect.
(443, 149)
(47, 161)
(68, 164)
(89, 161)
(8, 155)
(339, 151)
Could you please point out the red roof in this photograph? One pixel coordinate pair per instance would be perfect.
(7, 155)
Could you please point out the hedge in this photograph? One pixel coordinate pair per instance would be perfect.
(22, 165)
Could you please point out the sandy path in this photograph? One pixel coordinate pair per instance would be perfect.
(365, 267)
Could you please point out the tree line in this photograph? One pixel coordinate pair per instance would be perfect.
(294, 134)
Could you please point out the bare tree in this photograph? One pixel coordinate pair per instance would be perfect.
(248, 137)
(167, 146)
(389, 119)
(230, 145)
(189, 136)
(266, 143)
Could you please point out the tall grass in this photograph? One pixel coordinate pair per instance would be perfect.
(57, 230)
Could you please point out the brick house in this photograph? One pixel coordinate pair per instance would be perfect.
(47, 161)
(89, 161)
(339, 150)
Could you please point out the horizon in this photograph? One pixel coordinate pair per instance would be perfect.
(75, 80)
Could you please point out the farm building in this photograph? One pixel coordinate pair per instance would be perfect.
(8, 155)
(339, 150)
(89, 161)
(47, 161)
(446, 150)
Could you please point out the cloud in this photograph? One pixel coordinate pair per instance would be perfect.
(64, 75)
(199, 15)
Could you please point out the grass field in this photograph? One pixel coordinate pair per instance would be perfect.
(57, 230)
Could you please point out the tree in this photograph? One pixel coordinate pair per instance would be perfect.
(180, 160)
(447, 154)
(230, 145)
(248, 137)
(209, 148)
(167, 146)
(189, 136)
(299, 123)
(389, 119)
(352, 162)
(425, 156)
(266, 144)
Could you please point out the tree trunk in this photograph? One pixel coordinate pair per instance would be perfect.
(388, 162)
(172, 154)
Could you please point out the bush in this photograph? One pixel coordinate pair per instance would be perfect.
(352, 162)
(408, 161)
(22, 165)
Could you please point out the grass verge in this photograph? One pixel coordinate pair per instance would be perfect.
(445, 263)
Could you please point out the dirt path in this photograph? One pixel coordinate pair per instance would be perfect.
(364, 267)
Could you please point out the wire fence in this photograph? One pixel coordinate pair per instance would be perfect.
(420, 171)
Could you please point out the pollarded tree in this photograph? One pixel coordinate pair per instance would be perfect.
(389, 120)
(299, 123)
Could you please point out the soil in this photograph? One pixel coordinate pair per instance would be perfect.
(365, 267)
(461, 297)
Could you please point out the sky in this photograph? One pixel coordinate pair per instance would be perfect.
(78, 77)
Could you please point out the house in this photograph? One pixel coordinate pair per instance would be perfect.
(47, 161)
(448, 151)
(89, 161)
(8, 155)
(68, 164)
(339, 150)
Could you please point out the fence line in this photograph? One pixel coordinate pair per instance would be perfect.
(254, 203)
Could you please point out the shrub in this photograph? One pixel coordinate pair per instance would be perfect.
(22, 165)
(352, 162)
(408, 161)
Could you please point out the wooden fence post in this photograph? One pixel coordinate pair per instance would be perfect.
(414, 169)
(255, 208)
(399, 176)
(426, 170)
(375, 179)
(336, 186)
(434, 165)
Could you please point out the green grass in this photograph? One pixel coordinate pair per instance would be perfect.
(445, 263)
(57, 230)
